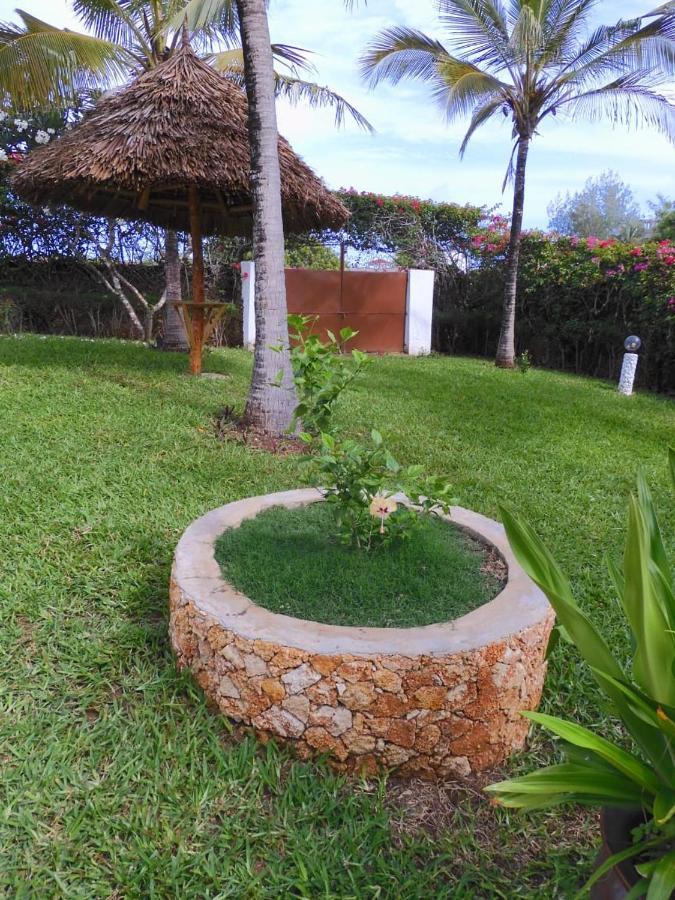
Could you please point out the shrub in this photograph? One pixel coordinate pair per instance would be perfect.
(361, 484)
(597, 771)
(322, 370)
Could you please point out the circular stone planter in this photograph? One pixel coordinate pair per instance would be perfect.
(431, 701)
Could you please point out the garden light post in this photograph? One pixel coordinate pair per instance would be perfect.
(629, 365)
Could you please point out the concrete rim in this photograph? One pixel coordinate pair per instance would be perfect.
(520, 605)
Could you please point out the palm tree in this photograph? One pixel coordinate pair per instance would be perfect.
(269, 408)
(530, 59)
(41, 64)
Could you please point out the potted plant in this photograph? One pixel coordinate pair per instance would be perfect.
(634, 787)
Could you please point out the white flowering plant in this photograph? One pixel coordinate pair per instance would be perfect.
(22, 132)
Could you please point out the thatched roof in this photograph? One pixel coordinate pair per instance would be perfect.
(179, 124)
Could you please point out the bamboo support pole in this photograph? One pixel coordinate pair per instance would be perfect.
(197, 313)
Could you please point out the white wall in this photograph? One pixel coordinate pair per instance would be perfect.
(248, 302)
(419, 308)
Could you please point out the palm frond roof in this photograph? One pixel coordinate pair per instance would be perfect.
(179, 124)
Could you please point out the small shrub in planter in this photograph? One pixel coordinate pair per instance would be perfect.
(598, 772)
(361, 480)
(361, 483)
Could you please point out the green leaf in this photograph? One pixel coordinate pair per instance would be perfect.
(346, 334)
(664, 806)
(391, 463)
(662, 882)
(534, 557)
(642, 601)
(620, 759)
(610, 862)
(376, 438)
(566, 782)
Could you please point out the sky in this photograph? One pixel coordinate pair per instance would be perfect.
(413, 150)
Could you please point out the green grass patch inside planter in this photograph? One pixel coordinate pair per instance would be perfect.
(290, 561)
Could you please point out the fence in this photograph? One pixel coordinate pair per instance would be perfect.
(391, 311)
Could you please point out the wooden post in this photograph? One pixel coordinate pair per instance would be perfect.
(196, 313)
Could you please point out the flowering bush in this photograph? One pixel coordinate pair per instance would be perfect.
(578, 298)
(360, 480)
(420, 233)
(361, 483)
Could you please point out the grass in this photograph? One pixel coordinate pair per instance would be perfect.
(116, 780)
(291, 561)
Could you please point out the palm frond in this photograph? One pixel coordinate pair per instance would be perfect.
(479, 31)
(295, 58)
(39, 67)
(462, 87)
(481, 115)
(565, 20)
(626, 101)
(116, 21)
(626, 46)
(216, 16)
(317, 96)
(527, 35)
(295, 90)
(399, 52)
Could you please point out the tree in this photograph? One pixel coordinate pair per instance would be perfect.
(605, 207)
(307, 254)
(269, 407)
(663, 214)
(42, 65)
(98, 244)
(530, 59)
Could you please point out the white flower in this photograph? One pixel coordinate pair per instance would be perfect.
(41, 137)
(3, 116)
(51, 131)
(3, 155)
(21, 124)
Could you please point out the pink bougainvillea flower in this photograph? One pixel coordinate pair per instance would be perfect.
(640, 267)
(636, 251)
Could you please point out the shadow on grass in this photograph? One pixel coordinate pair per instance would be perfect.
(49, 351)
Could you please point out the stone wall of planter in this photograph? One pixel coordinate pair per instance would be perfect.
(432, 701)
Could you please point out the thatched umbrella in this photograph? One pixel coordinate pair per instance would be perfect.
(172, 149)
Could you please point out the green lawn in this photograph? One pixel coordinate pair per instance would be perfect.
(292, 562)
(116, 781)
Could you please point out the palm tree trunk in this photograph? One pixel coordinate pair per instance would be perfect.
(506, 349)
(268, 408)
(175, 337)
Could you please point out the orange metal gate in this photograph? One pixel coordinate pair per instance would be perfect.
(372, 303)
